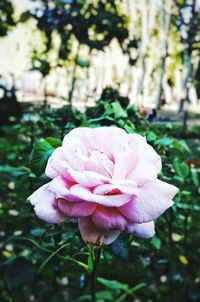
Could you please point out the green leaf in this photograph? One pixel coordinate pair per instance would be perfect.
(118, 111)
(25, 17)
(181, 168)
(186, 206)
(185, 193)
(15, 171)
(178, 178)
(41, 152)
(195, 178)
(151, 136)
(185, 170)
(181, 145)
(156, 242)
(129, 129)
(177, 167)
(129, 126)
(105, 295)
(112, 284)
(54, 142)
(85, 298)
(165, 141)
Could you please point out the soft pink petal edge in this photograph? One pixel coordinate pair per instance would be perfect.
(45, 205)
(154, 197)
(142, 230)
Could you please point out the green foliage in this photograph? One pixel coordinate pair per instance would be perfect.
(54, 142)
(195, 178)
(15, 171)
(94, 24)
(6, 17)
(165, 142)
(41, 262)
(39, 156)
(50, 261)
(181, 169)
(156, 242)
(113, 284)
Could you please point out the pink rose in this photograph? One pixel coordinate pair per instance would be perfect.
(108, 179)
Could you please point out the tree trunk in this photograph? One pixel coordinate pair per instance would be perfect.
(165, 16)
(70, 96)
(187, 57)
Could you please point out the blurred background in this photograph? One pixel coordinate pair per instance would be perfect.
(70, 51)
(69, 63)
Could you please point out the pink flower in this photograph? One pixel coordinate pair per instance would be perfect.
(108, 179)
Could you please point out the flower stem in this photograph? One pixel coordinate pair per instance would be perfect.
(95, 252)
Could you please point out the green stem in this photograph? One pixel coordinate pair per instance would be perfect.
(93, 261)
(51, 256)
(130, 292)
(54, 253)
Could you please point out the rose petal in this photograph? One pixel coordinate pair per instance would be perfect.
(57, 165)
(97, 176)
(125, 163)
(83, 179)
(109, 219)
(106, 200)
(74, 152)
(130, 189)
(61, 188)
(93, 235)
(110, 140)
(154, 197)
(148, 163)
(143, 230)
(77, 209)
(100, 163)
(83, 137)
(45, 205)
